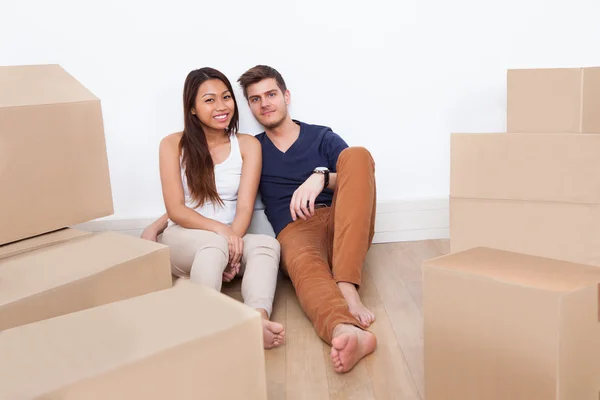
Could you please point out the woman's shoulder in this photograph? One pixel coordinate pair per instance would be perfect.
(247, 139)
(248, 142)
(171, 140)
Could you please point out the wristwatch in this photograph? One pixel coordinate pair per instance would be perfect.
(324, 171)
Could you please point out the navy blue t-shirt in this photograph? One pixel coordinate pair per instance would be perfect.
(283, 173)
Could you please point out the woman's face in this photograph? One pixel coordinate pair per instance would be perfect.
(214, 105)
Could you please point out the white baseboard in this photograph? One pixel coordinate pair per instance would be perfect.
(396, 221)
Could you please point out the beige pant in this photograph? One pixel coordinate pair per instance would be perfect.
(202, 256)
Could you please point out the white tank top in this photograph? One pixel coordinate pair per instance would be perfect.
(227, 179)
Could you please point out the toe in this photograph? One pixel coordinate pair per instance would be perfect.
(363, 320)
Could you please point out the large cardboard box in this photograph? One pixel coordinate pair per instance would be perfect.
(553, 100)
(502, 325)
(53, 162)
(187, 342)
(53, 275)
(528, 193)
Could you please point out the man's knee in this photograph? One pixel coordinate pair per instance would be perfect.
(355, 155)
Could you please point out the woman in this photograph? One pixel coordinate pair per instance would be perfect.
(209, 175)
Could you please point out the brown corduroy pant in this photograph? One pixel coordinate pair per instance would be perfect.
(331, 246)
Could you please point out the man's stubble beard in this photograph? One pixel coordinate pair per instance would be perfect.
(276, 124)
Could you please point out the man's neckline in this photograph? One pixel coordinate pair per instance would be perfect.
(296, 142)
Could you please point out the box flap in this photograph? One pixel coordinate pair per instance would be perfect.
(519, 269)
(49, 239)
(71, 348)
(27, 274)
(533, 167)
(33, 85)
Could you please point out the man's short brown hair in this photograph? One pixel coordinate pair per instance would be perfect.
(257, 74)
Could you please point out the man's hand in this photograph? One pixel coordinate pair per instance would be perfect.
(303, 201)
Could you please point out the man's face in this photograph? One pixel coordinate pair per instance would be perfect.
(267, 103)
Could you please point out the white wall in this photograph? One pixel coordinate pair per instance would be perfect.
(396, 76)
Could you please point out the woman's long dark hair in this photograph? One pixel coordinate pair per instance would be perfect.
(196, 159)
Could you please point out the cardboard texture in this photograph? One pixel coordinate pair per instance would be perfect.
(84, 272)
(553, 100)
(528, 193)
(53, 161)
(187, 342)
(37, 242)
(502, 325)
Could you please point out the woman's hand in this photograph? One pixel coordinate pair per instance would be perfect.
(236, 249)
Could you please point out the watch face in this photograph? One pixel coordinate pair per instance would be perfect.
(321, 169)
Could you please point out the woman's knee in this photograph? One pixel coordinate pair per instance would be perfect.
(216, 242)
(262, 244)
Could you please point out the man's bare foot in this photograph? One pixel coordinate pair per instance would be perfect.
(355, 306)
(349, 345)
(273, 333)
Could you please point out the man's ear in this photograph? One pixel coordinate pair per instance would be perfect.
(288, 97)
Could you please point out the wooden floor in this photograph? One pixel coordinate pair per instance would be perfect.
(392, 290)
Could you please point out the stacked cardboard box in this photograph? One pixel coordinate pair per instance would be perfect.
(87, 315)
(514, 311)
(534, 189)
(54, 174)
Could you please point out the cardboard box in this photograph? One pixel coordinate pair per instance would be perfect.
(553, 100)
(501, 325)
(53, 162)
(38, 242)
(187, 342)
(528, 193)
(83, 272)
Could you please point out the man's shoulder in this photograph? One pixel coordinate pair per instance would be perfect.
(324, 134)
(315, 128)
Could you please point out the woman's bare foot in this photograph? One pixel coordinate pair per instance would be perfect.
(350, 344)
(355, 306)
(273, 332)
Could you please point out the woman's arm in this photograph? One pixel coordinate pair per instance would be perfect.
(152, 231)
(172, 189)
(251, 168)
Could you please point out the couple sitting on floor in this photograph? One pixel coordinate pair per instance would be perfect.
(319, 197)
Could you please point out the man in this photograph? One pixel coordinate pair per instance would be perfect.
(319, 196)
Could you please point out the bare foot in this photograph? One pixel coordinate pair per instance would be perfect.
(273, 332)
(349, 345)
(355, 306)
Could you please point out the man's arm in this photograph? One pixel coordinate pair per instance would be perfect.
(303, 201)
(332, 180)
